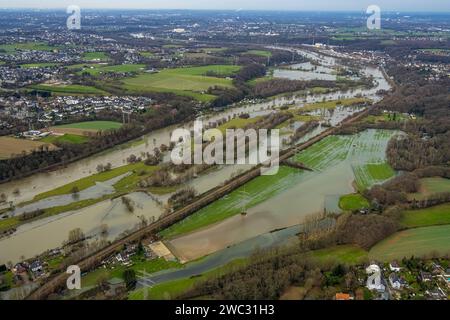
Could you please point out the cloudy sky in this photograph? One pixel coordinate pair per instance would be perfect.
(354, 5)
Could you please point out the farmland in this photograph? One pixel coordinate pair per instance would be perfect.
(437, 215)
(431, 186)
(12, 146)
(190, 81)
(370, 174)
(413, 242)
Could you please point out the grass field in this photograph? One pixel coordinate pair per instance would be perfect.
(431, 186)
(11, 146)
(95, 56)
(38, 65)
(72, 89)
(182, 81)
(346, 254)
(370, 174)
(252, 193)
(67, 138)
(335, 103)
(39, 46)
(91, 125)
(261, 53)
(417, 242)
(353, 202)
(90, 181)
(432, 216)
(237, 123)
(96, 69)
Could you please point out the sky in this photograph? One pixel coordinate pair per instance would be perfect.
(298, 5)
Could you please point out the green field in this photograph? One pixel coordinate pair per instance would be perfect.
(261, 53)
(69, 89)
(38, 46)
(92, 125)
(252, 193)
(38, 65)
(413, 242)
(90, 181)
(370, 174)
(98, 56)
(146, 54)
(353, 202)
(430, 187)
(67, 138)
(437, 215)
(237, 123)
(189, 81)
(96, 69)
(346, 254)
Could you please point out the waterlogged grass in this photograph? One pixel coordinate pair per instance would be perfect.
(335, 103)
(325, 153)
(237, 123)
(370, 174)
(345, 254)
(353, 202)
(413, 242)
(139, 264)
(248, 195)
(90, 181)
(191, 81)
(172, 289)
(437, 215)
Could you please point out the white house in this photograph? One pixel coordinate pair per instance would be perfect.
(374, 279)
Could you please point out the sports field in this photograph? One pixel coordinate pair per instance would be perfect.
(66, 138)
(191, 81)
(11, 146)
(87, 126)
(413, 242)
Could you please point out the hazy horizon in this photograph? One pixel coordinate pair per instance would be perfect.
(254, 5)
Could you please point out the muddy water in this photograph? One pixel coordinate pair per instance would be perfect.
(90, 219)
(42, 182)
(36, 237)
(308, 196)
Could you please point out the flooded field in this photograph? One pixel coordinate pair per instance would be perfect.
(260, 203)
(36, 237)
(279, 201)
